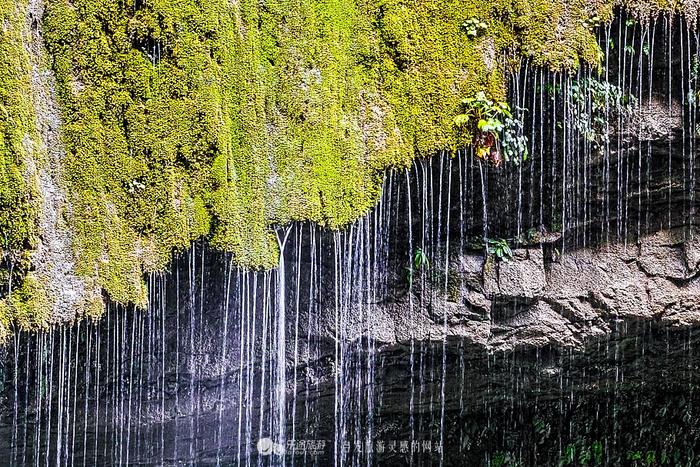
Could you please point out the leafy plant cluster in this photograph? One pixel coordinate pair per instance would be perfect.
(473, 27)
(497, 133)
(581, 454)
(592, 22)
(418, 263)
(596, 101)
(500, 248)
(513, 140)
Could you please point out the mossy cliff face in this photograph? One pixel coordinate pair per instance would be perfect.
(219, 120)
(19, 158)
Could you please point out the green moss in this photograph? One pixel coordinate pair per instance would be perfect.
(26, 308)
(28, 305)
(19, 200)
(218, 120)
(18, 216)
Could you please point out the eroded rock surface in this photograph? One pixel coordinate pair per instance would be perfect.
(67, 293)
(534, 300)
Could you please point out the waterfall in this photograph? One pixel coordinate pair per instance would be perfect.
(360, 332)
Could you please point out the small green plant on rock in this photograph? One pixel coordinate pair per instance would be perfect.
(592, 22)
(417, 264)
(420, 259)
(504, 459)
(474, 27)
(496, 133)
(581, 453)
(595, 102)
(500, 248)
(513, 140)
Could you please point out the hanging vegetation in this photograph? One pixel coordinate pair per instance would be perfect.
(496, 133)
(217, 120)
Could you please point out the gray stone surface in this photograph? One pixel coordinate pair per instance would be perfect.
(522, 278)
(532, 301)
(54, 259)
